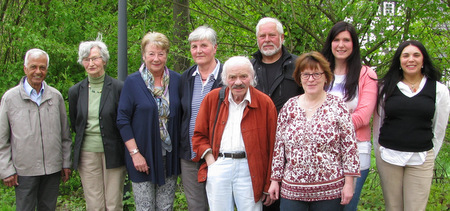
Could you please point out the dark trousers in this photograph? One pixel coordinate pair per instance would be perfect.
(39, 192)
(292, 205)
(273, 207)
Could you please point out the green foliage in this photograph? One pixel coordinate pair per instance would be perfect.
(180, 202)
(7, 199)
(71, 194)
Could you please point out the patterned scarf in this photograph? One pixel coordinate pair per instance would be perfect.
(161, 96)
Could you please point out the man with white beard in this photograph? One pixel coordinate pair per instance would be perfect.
(273, 64)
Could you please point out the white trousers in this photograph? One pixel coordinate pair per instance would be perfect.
(228, 184)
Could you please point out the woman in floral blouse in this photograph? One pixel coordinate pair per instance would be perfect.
(315, 157)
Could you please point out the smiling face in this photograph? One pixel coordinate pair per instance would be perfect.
(155, 58)
(311, 85)
(411, 60)
(269, 39)
(94, 64)
(36, 71)
(239, 79)
(203, 52)
(342, 46)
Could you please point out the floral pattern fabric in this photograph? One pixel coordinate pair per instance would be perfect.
(312, 156)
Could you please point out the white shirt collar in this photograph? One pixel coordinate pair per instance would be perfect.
(407, 91)
(247, 97)
(214, 73)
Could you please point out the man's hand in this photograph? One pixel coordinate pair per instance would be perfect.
(209, 158)
(65, 174)
(266, 200)
(11, 181)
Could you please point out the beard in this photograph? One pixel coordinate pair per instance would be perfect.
(272, 52)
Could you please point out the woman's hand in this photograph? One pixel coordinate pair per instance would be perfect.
(274, 190)
(140, 163)
(347, 191)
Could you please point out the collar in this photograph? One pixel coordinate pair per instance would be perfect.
(97, 80)
(247, 97)
(215, 72)
(29, 89)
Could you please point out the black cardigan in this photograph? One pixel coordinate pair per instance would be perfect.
(78, 110)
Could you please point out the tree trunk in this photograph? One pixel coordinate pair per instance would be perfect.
(181, 32)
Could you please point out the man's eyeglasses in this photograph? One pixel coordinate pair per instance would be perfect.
(94, 59)
(305, 76)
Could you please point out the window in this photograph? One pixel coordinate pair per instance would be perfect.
(389, 8)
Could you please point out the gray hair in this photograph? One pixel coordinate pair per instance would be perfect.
(238, 61)
(34, 53)
(202, 33)
(85, 49)
(270, 20)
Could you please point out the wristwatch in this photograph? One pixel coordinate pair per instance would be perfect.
(134, 151)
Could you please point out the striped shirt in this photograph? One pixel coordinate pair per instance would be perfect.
(199, 92)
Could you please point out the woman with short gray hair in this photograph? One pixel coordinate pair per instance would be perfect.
(98, 149)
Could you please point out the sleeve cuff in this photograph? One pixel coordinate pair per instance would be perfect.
(206, 151)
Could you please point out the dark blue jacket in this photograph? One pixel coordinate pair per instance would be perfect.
(138, 118)
(186, 90)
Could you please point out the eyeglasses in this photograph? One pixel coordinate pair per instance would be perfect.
(305, 76)
(94, 59)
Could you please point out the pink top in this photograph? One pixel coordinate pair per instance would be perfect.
(367, 100)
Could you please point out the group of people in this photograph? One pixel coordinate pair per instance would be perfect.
(277, 132)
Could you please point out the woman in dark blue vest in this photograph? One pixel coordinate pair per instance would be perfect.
(409, 127)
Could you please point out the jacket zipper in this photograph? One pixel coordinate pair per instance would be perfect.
(42, 140)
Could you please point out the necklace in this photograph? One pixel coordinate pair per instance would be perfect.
(94, 91)
(412, 86)
(311, 108)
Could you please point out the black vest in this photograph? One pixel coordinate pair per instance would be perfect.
(407, 124)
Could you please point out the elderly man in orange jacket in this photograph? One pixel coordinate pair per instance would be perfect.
(236, 141)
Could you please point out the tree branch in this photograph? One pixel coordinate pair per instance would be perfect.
(21, 12)
(3, 11)
(243, 25)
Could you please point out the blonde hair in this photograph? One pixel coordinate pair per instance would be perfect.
(156, 39)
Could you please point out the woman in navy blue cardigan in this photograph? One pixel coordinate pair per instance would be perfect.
(149, 121)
